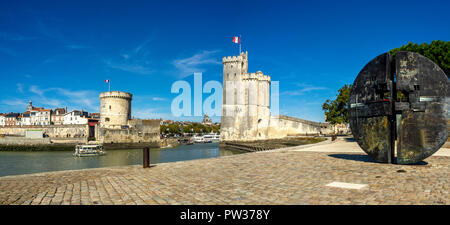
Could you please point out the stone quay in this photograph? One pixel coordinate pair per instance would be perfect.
(329, 172)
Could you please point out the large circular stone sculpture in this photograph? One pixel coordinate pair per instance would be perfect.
(398, 108)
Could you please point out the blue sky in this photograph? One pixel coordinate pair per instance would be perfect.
(58, 53)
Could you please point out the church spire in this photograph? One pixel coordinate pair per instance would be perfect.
(30, 106)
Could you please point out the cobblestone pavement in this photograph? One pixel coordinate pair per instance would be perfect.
(272, 177)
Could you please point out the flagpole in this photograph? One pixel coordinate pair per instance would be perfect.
(240, 41)
(109, 85)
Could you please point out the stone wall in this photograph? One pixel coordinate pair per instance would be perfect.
(53, 131)
(284, 126)
(168, 143)
(23, 141)
(276, 127)
(140, 131)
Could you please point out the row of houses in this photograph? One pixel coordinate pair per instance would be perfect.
(36, 116)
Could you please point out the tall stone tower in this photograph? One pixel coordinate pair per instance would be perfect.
(115, 109)
(245, 106)
(234, 68)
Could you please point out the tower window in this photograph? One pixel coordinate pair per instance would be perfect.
(106, 119)
(109, 107)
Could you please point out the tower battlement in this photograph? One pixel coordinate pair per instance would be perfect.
(259, 76)
(239, 58)
(116, 94)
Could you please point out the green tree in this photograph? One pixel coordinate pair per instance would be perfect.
(437, 51)
(216, 128)
(187, 129)
(174, 129)
(336, 110)
(163, 129)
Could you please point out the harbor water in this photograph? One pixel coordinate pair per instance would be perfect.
(15, 163)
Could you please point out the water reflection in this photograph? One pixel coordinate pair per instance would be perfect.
(14, 163)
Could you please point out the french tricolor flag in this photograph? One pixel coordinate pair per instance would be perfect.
(106, 81)
(237, 40)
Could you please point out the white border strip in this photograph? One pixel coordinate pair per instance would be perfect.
(346, 185)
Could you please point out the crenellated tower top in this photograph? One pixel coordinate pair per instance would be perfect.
(235, 67)
(240, 58)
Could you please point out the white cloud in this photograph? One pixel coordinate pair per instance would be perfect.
(14, 102)
(196, 62)
(304, 88)
(148, 113)
(158, 99)
(85, 99)
(60, 97)
(35, 89)
(19, 88)
(127, 67)
(133, 61)
(142, 45)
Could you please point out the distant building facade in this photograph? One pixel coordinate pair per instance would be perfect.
(2, 119)
(26, 119)
(112, 125)
(38, 116)
(58, 116)
(94, 116)
(75, 117)
(11, 119)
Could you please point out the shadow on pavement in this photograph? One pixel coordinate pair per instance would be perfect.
(354, 157)
(349, 139)
(366, 158)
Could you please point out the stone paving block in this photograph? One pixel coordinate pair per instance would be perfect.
(291, 177)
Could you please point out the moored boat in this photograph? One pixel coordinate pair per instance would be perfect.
(198, 139)
(207, 138)
(88, 150)
(216, 138)
(212, 137)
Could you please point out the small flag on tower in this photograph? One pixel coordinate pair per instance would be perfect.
(109, 84)
(237, 40)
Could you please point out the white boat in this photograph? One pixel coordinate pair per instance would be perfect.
(208, 138)
(216, 138)
(88, 150)
(198, 139)
(211, 138)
